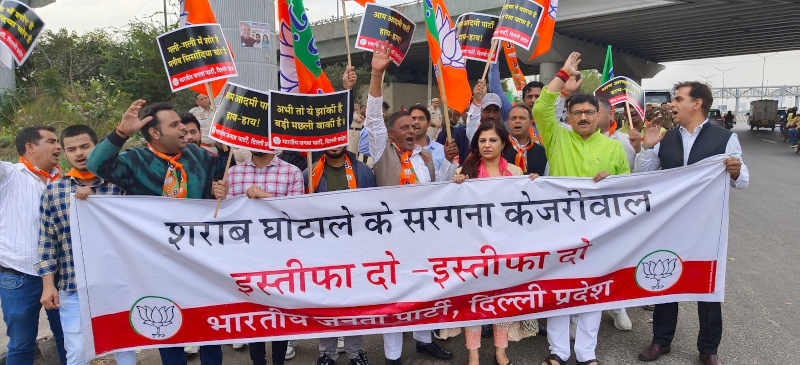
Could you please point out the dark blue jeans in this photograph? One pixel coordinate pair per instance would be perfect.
(209, 355)
(793, 136)
(19, 295)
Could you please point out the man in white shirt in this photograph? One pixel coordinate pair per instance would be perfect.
(606, 121)
(694, 140)
(399, 161)
(21, 187)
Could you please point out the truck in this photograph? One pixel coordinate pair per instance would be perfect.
(763, 114)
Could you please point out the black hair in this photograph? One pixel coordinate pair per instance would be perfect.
(473, 160)
(151, 111)
(523, 106)
(77, 130)
(386, 106)
(698, 90)
(395, 116)
(421, 108)
(30, 135)
(603, 102)
(189, 118)
(532, 85)
(580, 99)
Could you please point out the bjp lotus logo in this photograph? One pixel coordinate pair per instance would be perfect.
(659, 270)
(156, 318)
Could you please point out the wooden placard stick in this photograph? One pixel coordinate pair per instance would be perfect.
(628, 110)
(346, 34)
(224, 177)
(310, 168)
(212, 101)
(492, 51)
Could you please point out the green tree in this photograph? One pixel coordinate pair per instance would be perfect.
(591, 80)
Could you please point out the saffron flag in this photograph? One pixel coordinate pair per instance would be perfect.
(364, 2)
(546, 28)
(445, 49)
(608, 66)
(300, 66)
(513, 65)
(199, 12)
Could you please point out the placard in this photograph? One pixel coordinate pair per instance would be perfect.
(518, 22)
(475, 32)
(19, 29)
(308, 122)
(620, 90)
(195, 54)
(242, 118)
(382, 24)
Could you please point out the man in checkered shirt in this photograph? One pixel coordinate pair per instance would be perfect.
(56, 266)
(264, 176)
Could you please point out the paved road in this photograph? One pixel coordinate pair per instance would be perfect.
(761, 323)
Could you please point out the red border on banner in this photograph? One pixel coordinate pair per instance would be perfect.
(114, 331)
(263, 146)
(6, 38)
(176, 84)
(478, 54)
(312, 143)
(514, 36)
(397, 55)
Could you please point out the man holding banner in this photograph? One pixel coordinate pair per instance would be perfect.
(399, 161)
(265, 176)
(338, 169)
(582, 151)
(56, 265)
(187, 171)
(693, 141)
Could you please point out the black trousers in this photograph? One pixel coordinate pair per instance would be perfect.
(258, 352)
(665, 318)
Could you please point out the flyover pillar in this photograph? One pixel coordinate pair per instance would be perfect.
(547, 71)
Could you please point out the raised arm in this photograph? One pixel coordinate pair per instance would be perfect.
(545, 107)
(105, 160)
(373, 123)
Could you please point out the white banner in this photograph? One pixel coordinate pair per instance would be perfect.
(157, 272)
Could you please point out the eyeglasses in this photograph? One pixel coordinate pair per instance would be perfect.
(588, 113)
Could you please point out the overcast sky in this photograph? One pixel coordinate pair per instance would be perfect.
(781, 68)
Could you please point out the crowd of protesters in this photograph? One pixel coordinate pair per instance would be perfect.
(553, 131)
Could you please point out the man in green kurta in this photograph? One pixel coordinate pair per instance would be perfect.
(583, 151)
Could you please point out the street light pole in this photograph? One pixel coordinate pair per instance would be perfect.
(723, 71)
(165, 16)
(763, 76)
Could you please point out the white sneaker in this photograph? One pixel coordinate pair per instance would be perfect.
(290, 353)
(340, 345)
(621, 320)
(191, 350)
(238, 346)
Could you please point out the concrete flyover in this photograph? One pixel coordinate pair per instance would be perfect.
(643, 33)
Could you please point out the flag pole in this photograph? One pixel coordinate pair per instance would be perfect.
(224, 177)
(443, 96)
(492, 51)
(346, 36)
